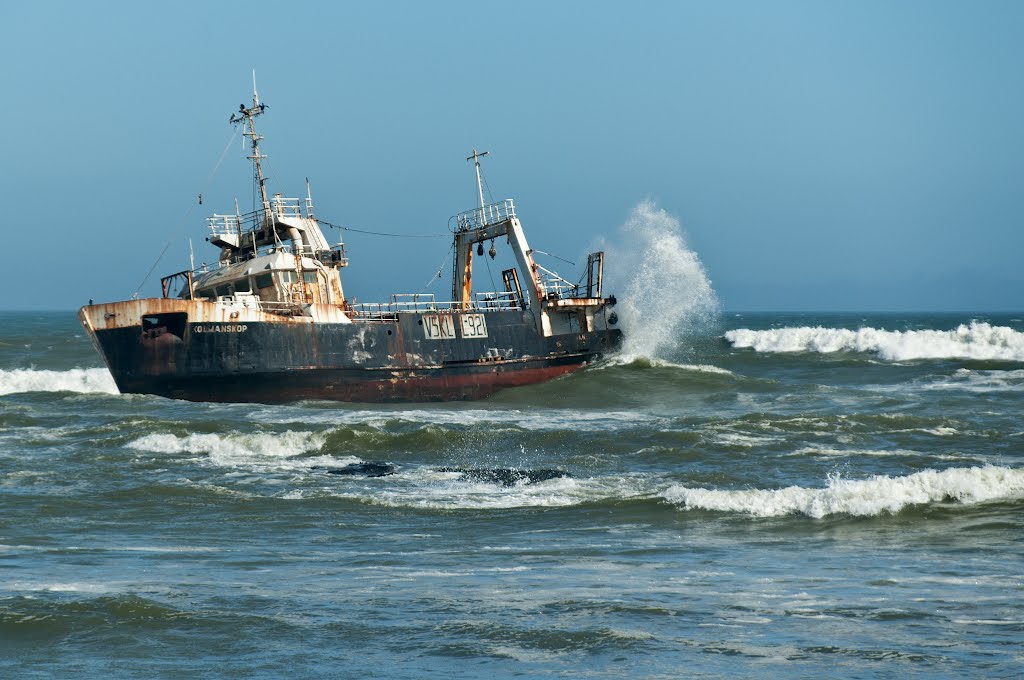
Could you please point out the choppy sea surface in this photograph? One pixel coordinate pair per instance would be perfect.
(780, 495)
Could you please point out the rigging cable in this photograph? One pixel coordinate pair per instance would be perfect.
(380, 233)
(438, 275)
(538, 250)
(184, 218)
(489, 194)
(490, 274)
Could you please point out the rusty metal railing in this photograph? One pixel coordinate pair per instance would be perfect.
(414, 303)
(487, 215)
(497, 300)
(235, 225)
(555, 284)
(224, 225)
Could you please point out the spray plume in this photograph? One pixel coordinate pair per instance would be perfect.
(664, 292)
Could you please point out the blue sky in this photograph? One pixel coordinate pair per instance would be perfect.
(820, 156)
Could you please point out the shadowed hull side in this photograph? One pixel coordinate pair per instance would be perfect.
(280, 361)
(358, 385)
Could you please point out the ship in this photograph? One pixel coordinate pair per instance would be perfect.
(270, 322)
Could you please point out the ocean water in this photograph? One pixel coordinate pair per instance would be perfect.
(756, 495)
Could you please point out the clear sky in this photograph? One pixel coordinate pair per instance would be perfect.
(819, 155)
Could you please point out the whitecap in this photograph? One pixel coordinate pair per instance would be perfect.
(534, 420)
(654, 362)
(63, 587)
(982, 381)
(742, 440)
(87, 380)
(826, 451)
(877, 495)
(261, 450)
(436, 489)
(977, 340)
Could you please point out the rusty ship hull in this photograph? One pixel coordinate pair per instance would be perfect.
(270, 321)
(199, 351)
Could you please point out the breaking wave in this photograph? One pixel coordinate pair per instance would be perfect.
(439, 486)
(397, 423)
(645, 362)
(664, 291)
(440, 489)
(74, 380)
(977, 340)
(877, 495)
(967, 380)
(262, 450)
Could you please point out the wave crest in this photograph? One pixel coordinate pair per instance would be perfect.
(877, 495)
(977, 340)
(94, 380)
(647, 362)
(253, 450)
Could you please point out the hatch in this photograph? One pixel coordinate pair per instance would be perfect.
(171, 322)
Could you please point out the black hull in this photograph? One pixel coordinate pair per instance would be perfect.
(379, 361)
(450, 383)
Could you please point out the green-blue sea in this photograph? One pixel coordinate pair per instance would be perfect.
(759, 495)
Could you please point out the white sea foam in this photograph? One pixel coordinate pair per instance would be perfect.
(877, 495)
(967, 380)
(743, 440)
(665, 290)
(262, 450)
(977, 340)
(72, 380)
(62, 587)
(536, 419)
(432, 488)
(829, 452)
(627, 359)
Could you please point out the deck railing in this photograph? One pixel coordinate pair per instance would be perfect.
(410, 303)
(555, 285)
(280, 207)
(487, 215)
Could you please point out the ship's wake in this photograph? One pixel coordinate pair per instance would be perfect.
(665, 295)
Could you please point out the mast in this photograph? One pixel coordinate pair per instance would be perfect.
(309, 201)
(462, 286)
(479, 185)
(247, 116)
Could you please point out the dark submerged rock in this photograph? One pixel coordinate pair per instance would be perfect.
(507, 476)
(360, 469)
